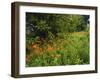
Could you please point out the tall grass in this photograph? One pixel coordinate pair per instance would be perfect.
(66, 49)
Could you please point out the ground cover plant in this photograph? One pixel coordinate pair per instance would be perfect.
(56, 39)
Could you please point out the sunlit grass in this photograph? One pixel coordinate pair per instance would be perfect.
(66, 49)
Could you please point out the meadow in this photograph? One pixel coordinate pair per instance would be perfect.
(57, 39)
(67, 49)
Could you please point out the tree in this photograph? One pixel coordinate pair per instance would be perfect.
(48, 25)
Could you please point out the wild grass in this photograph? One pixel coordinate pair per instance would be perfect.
(66, 49)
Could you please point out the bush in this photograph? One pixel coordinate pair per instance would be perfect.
(69, 50)
(48, 26)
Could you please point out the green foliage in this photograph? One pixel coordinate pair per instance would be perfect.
(56, 39)
(68, 50)
(49, 25)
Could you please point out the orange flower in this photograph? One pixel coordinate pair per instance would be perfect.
(34, 46)
(50, 48)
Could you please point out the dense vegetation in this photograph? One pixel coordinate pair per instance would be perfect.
(56, 39)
